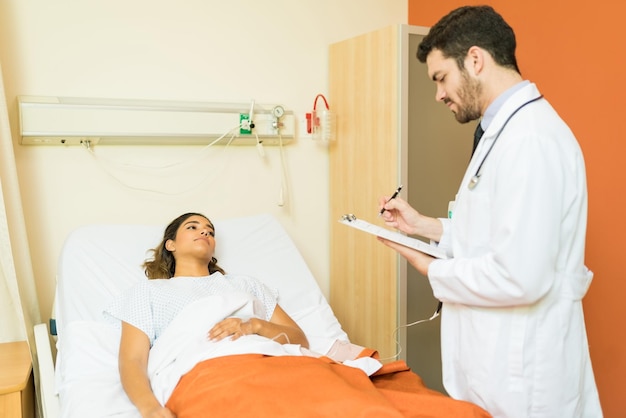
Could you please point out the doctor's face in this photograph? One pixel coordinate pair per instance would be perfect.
(455, 87)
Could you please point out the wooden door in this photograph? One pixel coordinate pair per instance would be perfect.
(365, 163)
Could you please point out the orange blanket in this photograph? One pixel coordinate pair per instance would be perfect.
(299, 386)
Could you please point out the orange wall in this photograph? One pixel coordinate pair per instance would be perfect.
(574, 51)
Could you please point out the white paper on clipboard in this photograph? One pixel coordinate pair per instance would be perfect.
(394, 236)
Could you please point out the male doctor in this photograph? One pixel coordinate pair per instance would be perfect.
(512, 328)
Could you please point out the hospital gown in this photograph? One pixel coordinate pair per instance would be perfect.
(151, 305)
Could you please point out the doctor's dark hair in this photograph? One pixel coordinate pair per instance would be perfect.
(469, 26)
(163, 265)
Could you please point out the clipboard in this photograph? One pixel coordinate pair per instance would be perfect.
(397, 237)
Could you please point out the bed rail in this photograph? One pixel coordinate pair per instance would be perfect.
(49, 397)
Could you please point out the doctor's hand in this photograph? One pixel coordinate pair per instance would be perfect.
(399, 214)
(417, 259)
(230, 327)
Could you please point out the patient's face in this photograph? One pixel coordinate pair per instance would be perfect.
(195, 238)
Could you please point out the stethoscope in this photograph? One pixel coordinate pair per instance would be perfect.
(476, 177)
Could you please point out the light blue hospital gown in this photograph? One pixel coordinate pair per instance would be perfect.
(151, 305)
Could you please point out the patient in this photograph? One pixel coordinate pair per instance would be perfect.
(184, 270)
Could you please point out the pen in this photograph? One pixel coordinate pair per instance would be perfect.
(393, 196)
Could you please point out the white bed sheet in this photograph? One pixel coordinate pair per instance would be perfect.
(100, 261)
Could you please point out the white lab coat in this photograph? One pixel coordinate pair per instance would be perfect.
(512, 330)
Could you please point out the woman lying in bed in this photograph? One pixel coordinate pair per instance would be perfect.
(183, 271)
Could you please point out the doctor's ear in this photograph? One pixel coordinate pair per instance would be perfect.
(169, 245)
(475, 60)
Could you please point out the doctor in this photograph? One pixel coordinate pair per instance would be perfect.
(512, 330)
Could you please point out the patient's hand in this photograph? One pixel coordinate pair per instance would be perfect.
(230, 327)
(160, 412)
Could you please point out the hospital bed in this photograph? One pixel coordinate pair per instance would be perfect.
(99, 261)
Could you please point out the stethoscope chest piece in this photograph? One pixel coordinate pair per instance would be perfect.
(473, 182)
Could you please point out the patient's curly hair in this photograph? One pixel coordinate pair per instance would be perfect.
(163, 265)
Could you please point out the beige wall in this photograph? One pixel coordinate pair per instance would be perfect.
(211, 51)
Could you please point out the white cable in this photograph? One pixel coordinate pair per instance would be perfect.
(394, 334)
(283, 177)
(251, 114)
(250, 126)
(98, 158)
(195, 156)
(259, 145)
(281, 197)
(282, 334)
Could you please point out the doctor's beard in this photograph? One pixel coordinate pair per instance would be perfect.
(468, 99)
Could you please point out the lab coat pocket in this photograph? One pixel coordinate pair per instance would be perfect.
(478, 364)
(472, 213)
(499, 363)
(516, 349)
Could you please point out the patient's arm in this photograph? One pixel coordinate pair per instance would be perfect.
(280, 328)
(133, 364)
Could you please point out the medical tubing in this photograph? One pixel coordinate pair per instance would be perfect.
(99, 159)
(282, 334)
(395, 331)
(315, 102)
